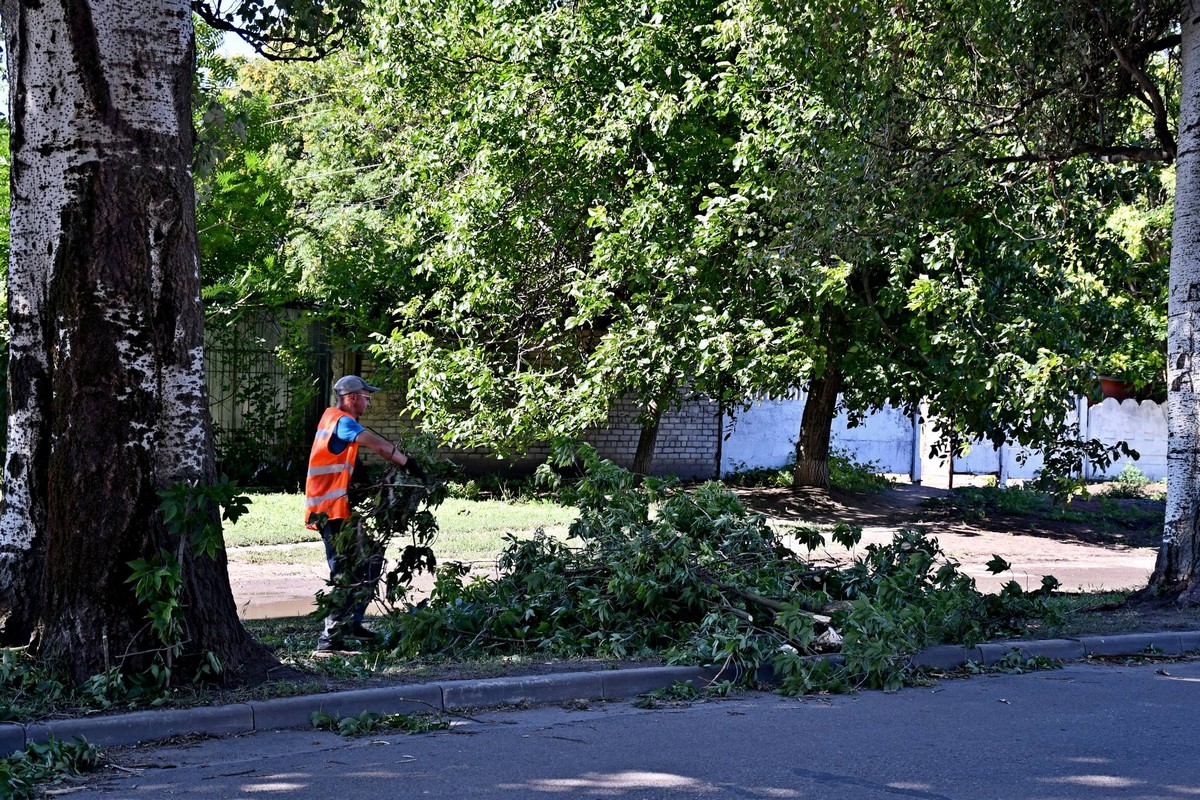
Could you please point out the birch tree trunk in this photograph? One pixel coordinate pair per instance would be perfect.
(1175, 573)
(106, 379)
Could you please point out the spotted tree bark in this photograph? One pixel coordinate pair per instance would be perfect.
(106, 383)
(1176, 574)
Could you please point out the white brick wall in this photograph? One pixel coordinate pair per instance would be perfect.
(764, 435)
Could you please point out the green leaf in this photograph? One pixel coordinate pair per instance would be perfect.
(998, 565)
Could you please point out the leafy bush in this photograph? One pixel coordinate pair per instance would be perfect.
(464, 490)
(650, 568)
(1061, 476)
(848, 475)
(845, 474)
(489, 486)
(1130, 484)
(760, 478)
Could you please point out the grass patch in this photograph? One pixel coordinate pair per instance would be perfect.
(978, 502)
(312, 553)
(1105, 614)
(497, 515)
(273, 518)
(469, 530)
(468, 526)
(1100, 512)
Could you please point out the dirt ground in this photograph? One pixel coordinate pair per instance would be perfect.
(1087, 555)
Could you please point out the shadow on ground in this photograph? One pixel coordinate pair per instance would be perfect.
(1099, 521)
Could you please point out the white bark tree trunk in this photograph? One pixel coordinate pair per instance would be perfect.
(1175, 574)
(106, 383)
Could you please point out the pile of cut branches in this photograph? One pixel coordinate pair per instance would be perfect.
(651, 569)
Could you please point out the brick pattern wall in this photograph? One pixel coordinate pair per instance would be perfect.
(688, 438)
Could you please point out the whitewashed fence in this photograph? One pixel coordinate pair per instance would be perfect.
(764, 435)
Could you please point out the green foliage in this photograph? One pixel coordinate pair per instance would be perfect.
(760, 477)
(193, 512)
(490, 486)
(370, 722)
(1061, 475)
(158, 583)
(290, 29)
(606, 200)
(1130, 484)
(651, 569)
(680, 690)
(26, 687)
(1013, 663)
(846, 474)
(395, 508)
(53, 761)
(31, 690)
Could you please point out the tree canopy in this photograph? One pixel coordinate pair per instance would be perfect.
(553, 207)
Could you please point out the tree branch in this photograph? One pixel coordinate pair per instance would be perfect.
(1153, 98)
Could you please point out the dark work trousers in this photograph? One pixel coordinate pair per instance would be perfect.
(364, 570)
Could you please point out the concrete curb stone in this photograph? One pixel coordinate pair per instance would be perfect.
(1189, 640)
(1130, 644)
(626, 682)
(135, 727)
(296, 712)
(1060, 649)
(12, 738)
(523, 689)
(143, 726)
(946, 656)
(992, 653)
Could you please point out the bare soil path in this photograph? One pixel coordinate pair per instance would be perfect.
(1084, 554)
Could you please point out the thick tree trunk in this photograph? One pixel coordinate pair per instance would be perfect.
(812, 448)
(1176, 574)
(643, 458)
(106, 380)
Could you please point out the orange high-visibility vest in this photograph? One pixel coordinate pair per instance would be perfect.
(328, 474)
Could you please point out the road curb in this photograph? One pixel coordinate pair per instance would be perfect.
(137, 727)
(296, 712)
(134, 727)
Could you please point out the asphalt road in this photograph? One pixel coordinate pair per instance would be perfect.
(1085, 731)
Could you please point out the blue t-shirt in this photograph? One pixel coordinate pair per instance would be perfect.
(346, 432)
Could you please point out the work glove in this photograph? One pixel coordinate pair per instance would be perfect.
(414, 469)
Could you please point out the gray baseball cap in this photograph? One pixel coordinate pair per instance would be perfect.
(349, 384)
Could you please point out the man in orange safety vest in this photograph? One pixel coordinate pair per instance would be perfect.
(327, 502)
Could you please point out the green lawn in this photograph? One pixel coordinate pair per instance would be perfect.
(470, 530)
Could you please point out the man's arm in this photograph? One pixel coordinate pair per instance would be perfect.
(382, 448)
